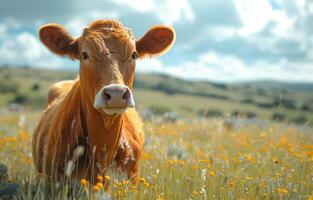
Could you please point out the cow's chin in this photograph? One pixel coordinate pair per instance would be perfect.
(114, 111)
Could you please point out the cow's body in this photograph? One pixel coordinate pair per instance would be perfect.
(125, 153)
(94, 112)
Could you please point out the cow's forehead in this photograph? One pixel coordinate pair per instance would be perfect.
(102, 36)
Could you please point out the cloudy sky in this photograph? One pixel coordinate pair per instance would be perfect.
(219, 40)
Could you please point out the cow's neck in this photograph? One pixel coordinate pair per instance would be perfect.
(103, 134)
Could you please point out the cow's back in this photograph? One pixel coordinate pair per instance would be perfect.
(57, 89)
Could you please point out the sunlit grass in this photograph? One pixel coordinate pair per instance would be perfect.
(202, 159)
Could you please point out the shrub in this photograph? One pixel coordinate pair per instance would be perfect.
(285, 103)
(35, 87)
(20, 99)
(265, 105)
(8, 88)
(236, 113)
(250, 114)
(306, 107)
(261, 91)
(300, 120)
(159, 110)
(211, 113)
(247, 101)
(278, 116)
(220, 86)
(165, 87)
(6, 76)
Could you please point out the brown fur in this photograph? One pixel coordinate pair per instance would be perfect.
(70, 120)
(57, 89)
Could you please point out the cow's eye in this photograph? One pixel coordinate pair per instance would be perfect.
(85, 55)
(135, 55)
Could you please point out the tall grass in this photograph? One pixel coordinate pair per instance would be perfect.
(201, 159)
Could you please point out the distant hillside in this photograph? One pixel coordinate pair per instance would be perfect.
(305, 87)
(160, 94)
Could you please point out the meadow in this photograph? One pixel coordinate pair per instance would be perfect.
(192, 156)
(200, 159)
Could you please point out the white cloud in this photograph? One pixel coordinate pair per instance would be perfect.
(29, 45)
(253, 14)
(256, 14)
(25, 49)
(138, 5)
(76, 25)
(173, 11)
(149, 65)
(228, 68)
(221, 33)
(168, 11)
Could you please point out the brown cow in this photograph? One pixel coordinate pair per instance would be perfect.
(95, 112)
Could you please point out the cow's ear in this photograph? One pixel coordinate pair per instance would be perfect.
(58, 40)
(156, 41)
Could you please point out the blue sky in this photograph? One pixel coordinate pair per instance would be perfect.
(217, 40)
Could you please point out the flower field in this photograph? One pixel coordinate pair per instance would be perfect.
(200, 159)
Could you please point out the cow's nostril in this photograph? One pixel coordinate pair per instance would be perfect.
(106, 95)
(126, 95)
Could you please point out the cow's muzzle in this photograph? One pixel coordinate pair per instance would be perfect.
(114, 99)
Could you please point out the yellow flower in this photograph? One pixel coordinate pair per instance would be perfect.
(171, 162)
(181, 162)
(310, 197)
(23, 135)
(142, 180)
(99, 178)
(249, 158)
(96, 188)
(194, 194)
(107, 177)
(204, 161)
(9, 139)
(211, 173)
(281, 190)
(83, 182)
(275, 160)
(100, 185)
(195, 167)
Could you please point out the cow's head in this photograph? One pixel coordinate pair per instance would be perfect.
(107, 52)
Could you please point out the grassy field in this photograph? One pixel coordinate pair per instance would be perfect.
(202, 155)
(200, 159)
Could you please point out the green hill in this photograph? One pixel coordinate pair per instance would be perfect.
(160, 93)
